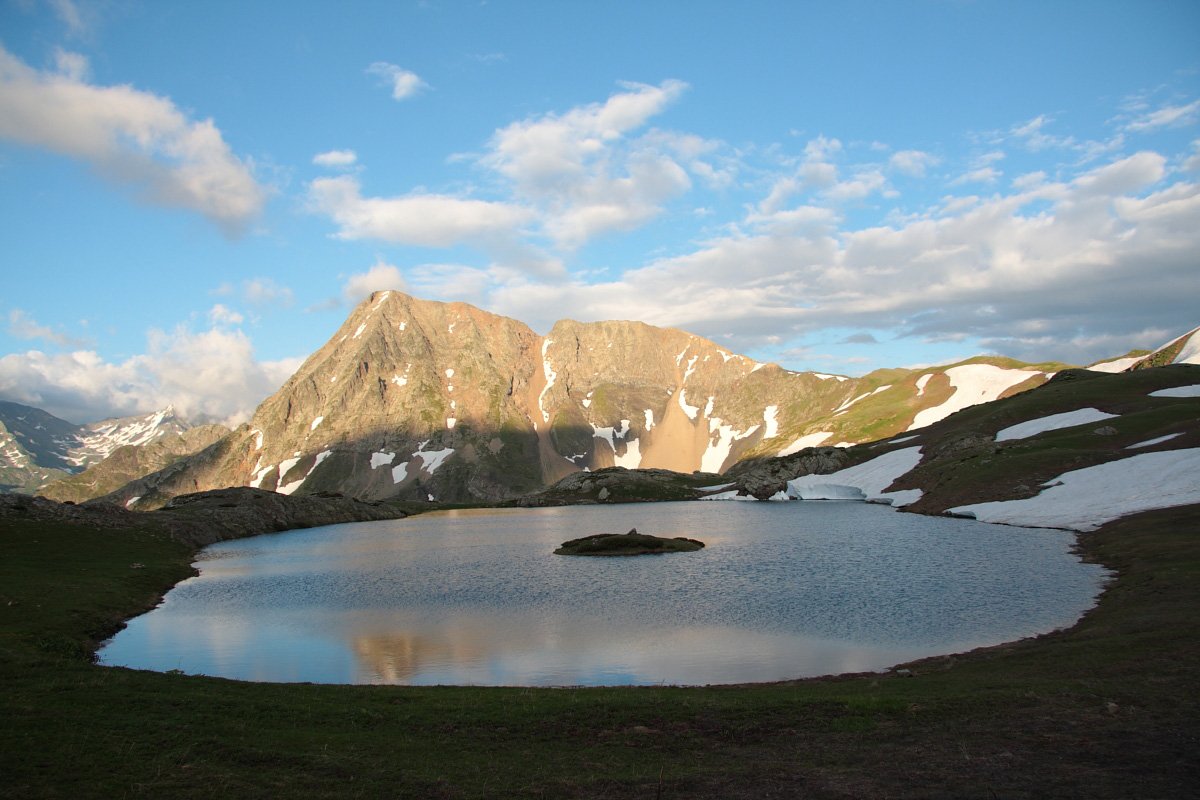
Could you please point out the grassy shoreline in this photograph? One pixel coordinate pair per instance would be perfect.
(1106, 709)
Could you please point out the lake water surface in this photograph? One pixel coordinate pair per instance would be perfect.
(782, 590)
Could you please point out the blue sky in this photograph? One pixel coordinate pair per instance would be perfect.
(194, 195)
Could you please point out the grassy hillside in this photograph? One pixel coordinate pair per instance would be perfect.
(1107, 709)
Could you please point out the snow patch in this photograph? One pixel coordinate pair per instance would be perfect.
(432, 459)
(288, 488)
(449, 373)
(866, 481)
(399, 380)
(315, 423)
(649, 418)
(691, 411)
(844, 407)
(691, 367)
(259, 476)
(1116, 365)
(822, 376)
(757, 366)
(360, 330)
(708, 407)
(771, 421)
(1152, 442)
(399, 472)
(921, 383)
(131, 501)
(451, 422)
(1178, 391)
(1084, 499)
(718, 449)
(551, 376)
(258, 439)
(1190, 354)
(381, 458)
(1067, 419)
(973, 384)
(807, 440)
(402, 326)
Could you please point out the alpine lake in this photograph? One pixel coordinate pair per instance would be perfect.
(781, 590)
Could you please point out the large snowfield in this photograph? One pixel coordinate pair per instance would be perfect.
(1085, 499)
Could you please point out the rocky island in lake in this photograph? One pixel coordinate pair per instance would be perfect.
(627, 544)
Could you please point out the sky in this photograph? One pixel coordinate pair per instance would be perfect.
(193, 196)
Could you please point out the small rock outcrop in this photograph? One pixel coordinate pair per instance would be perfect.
(627, 544)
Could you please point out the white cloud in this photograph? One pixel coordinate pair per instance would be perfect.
(1053, 265)
(130, 137)
(206, 375)
(1168, 116)
(428, 220)
(336, 158)
(583, 175)
(912, 162)
(221, 314)
(404, 84)
(69, 14)
(71, 65)
(23, 326)
(980, 175)
(380, 276)
(266, 292)
(861, 185)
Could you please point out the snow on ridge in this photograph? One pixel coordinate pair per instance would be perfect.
(771, 420)
(1178, 391)
(1053, 422)
(822, 376)
(757, 366)
(1154, 441)
(1084, 499)
(921, 383)
(972, 384)
(866, 481)
(550, 375)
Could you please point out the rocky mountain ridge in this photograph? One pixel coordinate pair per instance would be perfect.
(423, 400)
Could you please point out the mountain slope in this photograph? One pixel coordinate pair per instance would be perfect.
(424, 400)
(1110, 437)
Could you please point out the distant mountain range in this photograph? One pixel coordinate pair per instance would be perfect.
(37, 448)
(423, 400)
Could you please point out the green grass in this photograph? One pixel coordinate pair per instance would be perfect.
(1108, 709)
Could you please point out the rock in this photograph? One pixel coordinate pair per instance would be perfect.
(627, 544)
(1105, 430)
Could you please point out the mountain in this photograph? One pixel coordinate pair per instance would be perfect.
(130, 462)
(424, 400)
(38, 448)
